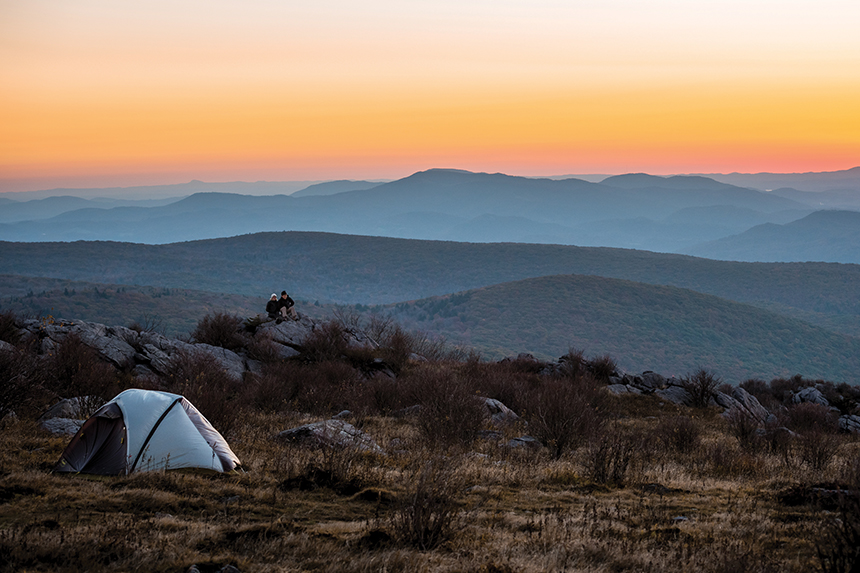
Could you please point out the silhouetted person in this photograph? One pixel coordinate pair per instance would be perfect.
(287, 307)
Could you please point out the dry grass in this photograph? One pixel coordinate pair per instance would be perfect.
(713, 508)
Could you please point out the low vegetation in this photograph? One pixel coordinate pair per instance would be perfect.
(607, 483)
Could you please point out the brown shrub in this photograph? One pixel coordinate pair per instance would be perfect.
(22, 384)
(818, 447)
(806, 417)
(75, 370)
(701, 385)
(426, 514)
(838, 544)
(561, 411)
(451, 413)
(609, 456)
(220, 329)
(745, 428)
(602, 368)
(325, 343)
(206, 385)
(679, 433)
(9, 331)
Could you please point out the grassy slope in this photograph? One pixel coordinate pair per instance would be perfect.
(374, 270)
(666, 329)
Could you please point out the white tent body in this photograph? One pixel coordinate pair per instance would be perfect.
(161, 431)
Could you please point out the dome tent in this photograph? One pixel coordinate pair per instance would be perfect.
(145, 430)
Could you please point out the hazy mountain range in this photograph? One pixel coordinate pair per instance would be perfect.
(681, 214)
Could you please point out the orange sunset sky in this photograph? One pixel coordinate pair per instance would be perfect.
(98, 92)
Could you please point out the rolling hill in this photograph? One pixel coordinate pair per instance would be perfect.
(831, 236)
(643, 327)
(666, 329)
(372, 270)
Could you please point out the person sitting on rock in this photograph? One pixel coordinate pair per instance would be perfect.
(273, 307)
(287, 307)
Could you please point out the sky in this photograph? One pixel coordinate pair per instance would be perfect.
(106, 93)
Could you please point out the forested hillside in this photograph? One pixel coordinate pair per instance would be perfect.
(373, 270)
(670, 330)
(643, 327)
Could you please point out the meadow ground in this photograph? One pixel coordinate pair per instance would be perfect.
(659, 488)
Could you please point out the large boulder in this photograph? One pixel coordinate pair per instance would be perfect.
(810, 394)
(498, 413)
(331, 433)
(74, 408)
(109, 342)
(676, 395)
(62, 426)
(850, 423)
(741, 403)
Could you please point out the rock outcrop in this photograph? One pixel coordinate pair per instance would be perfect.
(331, 433)
(810, 394)
(152, 353)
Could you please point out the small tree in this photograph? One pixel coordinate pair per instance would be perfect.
(701, 385)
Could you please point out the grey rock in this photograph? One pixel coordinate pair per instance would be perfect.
(331, 433)
(289, 332)
(498, 413)
(524, 442)
(676, 395)
(810, 394)
(742, 403)
(62, 426)
(849, 423)
(618, 388)
(751, 404)
(723, 400)
(285, 352)
(6, 347)
(623, 389)
(343, 414)
(75, 408)
(652, 380)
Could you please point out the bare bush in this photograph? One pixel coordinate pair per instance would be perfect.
(602, 368)
(701, 386)
(838, 545)
(561, 411)
(9, 331)
(326, 343)
(806, 417)
(817, 448)
(22, 384)
(679, 433)
(220, 329)
(261, 347)
(206, 385)
(572, 364)
(75, 370)
(426, 514)
(745, 428)
(147, 323)
(608, 457)
(451, 414)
